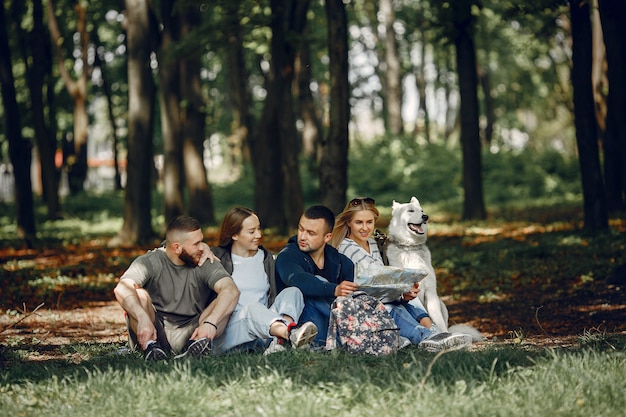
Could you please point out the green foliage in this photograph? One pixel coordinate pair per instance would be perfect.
(510, 177)
(398, 168)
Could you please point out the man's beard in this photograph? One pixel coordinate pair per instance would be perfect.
(188, 259)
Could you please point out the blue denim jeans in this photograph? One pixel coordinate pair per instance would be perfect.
(253, 321)
(407, 318)
(317, 310)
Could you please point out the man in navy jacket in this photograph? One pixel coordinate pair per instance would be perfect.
(316, 268)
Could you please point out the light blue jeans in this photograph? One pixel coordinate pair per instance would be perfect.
(252, 322)
(407, 318)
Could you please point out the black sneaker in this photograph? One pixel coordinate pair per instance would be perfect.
(196, 348)
(153, 352)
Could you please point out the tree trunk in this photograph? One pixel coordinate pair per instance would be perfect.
(106, 87)
(278, 139)
(473, 204)
(490, 116)
(77, 89)
(612, 14)
(20, 151)
(36, 75)
(595, 210)
(313, 129)
(200, 198)
(171, 125)
(243, 131)
(420, 85)
(141, 30)
(333, 169)
(393, 71)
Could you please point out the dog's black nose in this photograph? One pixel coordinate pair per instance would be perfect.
(425, 217)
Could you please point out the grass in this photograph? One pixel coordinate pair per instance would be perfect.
(491, 382)
(515, 251)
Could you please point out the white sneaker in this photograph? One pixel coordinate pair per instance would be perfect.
(443, 341)
(275, 346)
(303, 335)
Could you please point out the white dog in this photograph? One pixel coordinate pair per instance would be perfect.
(406, 248)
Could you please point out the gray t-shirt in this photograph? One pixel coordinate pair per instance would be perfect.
(179, 293)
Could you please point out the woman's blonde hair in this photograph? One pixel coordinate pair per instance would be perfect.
(341, 229)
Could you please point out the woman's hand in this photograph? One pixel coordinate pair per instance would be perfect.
(408, 296)
(207, 255)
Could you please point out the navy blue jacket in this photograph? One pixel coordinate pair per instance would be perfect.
(295, 268)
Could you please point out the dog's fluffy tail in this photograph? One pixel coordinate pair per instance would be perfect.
(472, 331)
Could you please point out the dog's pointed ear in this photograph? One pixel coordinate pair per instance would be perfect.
(394, 205)
(414, 200)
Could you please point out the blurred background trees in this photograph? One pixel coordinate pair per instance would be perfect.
(308, 101)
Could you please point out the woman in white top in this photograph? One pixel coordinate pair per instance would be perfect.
(261, 313)
(352, 236)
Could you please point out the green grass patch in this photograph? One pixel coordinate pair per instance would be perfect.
(491, 382)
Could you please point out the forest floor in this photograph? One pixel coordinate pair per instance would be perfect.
(555, 314)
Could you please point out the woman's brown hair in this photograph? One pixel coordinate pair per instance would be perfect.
(232, 223)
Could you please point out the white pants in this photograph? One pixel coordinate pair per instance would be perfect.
(253, 321)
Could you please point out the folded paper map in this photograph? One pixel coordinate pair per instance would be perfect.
(387, 282)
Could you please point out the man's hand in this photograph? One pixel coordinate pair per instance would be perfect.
(207, 254)
(205, 329)
(345, 288)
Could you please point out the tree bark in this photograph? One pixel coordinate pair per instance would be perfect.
(77, 89)
(200, 198)
(313, 129)
(490, 115)
(20, 152)
(420, 85)
(243, 120)
(141, 30)
(36, 75)
(612, 14)
(106, 87)
(333, 171)
(393, 70)
(595, 210)
(171, 124)
(473, 204)
(278, 138)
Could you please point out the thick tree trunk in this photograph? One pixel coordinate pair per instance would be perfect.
(200, 198)
(36, 75)
(19, 148)
(278, 138)
(473, 204)
(171, 124)
(612, 14)
(595, 210)
(141, 31)
(333, 169)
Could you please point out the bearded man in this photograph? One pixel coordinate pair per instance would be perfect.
(173, 305)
